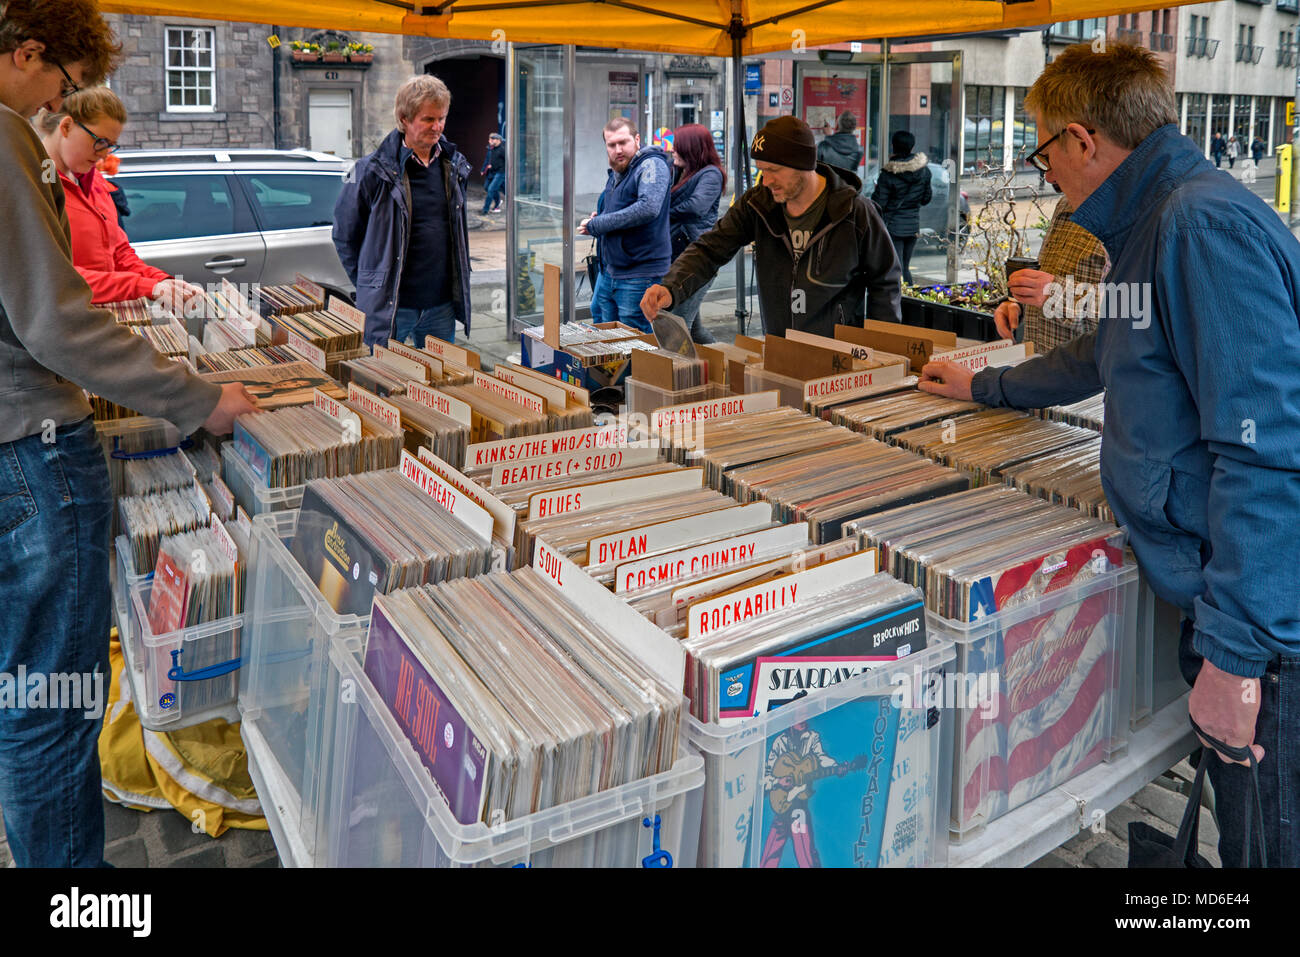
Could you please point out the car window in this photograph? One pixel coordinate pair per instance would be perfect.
(294, 200)
(177, 207)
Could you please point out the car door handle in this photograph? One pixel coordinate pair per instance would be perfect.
(228, 262)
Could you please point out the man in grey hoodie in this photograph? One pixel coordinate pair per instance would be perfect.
(55, 500)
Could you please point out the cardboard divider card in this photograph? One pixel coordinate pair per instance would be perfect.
(309, 288)
(717, 555)
(830, 385)
(556, 399)
(552, 443)
(474, 516)
(837, 345)
(337, 410)
(223, 493)
(432, 363)
(507, 474)
(674, 415)
(786, 591)
(800, 360)
(383, 411)
(578, 498)
(503, 516)
(911, 341)
(552, 280)
(987, 354)
(445, 350)
(224, 541)
(407, 367)
(529, 400)
(312, 353)
(607, 551)
(448, 405)
(752, 343)
(660, 653)
(351, 313)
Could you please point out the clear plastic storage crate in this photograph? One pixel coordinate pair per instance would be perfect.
(1159, 680)
(385, 811)
(869, 781)
(1053, 689)
(250, 490)
(281, 688)
(644, 398)
(124, 578)
(789, 389)
(183, 677)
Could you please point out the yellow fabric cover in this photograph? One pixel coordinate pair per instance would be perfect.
(201, 771)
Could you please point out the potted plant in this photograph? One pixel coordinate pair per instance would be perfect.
(334, 53)
(305, 51)
(361, 52)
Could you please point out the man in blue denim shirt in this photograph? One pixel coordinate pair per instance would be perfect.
(1199, 351)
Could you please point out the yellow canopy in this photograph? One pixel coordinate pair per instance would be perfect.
(669, 26)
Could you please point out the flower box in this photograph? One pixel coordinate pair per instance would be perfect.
(334, 58)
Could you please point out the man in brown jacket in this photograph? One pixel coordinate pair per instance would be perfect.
(55, 500)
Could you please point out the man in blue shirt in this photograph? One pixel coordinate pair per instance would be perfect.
(1200, 458)
(631, 223)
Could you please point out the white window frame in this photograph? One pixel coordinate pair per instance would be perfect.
(209, 71)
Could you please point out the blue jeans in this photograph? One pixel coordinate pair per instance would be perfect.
(55, 504)
(1277, 730)
(689, 310)
(436, 321)
(619, 300)
(495, 185)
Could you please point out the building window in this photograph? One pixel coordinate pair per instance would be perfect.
(1219, 117)
(1289, 6)
(985, 116)
(1196, 119)
(1263, 107)
(191, 70)
(1076, 31)
(1026, 129)
(550, 93)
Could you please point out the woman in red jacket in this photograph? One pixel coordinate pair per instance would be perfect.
(84, 132)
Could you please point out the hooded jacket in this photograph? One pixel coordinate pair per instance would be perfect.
(631, 222)
(100, 249)
(1199, 457)
(902, 189)
(840, 150)
(372, 225)
(849, 253)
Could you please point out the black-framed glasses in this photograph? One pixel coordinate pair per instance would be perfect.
(1040, 162)
(102, 143)
(71, 86)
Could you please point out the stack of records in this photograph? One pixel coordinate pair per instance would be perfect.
(539, 704)
(978, 552)
(829, 487)
(1069, 477)
(287, 300)
(886, 415)
(171, 340)
(105, 410)
(325, 330)
(277, 386)
(199, 579)
(374, 375)
(427, 428)
(362, 535)
(205, 460)
(246, 357)
(219, 337)
(146, 519)
(134, 312)
(495, 417)
(157, 473)
(678, 371)
(1089, 413)
(751, 668)
(292, 446)
(598, 353)
(984, 444)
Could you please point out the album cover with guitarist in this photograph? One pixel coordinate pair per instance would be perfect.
(845, 788)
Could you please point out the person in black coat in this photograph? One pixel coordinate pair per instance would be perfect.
(693, 207)
(902, 189)
(841, 148)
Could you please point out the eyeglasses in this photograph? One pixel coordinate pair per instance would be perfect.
(71, 86)
(102, 143)
(1040, 162)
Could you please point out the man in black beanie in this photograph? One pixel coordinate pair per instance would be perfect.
(819, 246)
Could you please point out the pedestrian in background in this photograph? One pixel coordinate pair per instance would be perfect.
(494, 173)
(1233, 151)
(410, 265)
(902, 189)
(841, 148)
(693, 207)
(1217, 146)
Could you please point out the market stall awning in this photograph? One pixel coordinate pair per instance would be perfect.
(703, 27)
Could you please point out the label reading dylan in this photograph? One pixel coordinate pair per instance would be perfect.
(714, 556)
(608, 550)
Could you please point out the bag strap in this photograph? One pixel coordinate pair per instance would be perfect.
(1189, 830)
(1254, 806)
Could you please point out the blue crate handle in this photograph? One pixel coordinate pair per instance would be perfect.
(177, 673)
(117, 453)
(659, 858)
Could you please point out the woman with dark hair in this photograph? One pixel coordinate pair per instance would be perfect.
(693, 207)
(902, 189)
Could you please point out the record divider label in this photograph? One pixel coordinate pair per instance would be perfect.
(715, 556)
(445, 350)
(503, 516)
(557, 400)
(335, 409)
(351, 314)
(499, 387)
(849, 381)
(474, 516)
(403, 364)
(312, 353)
(227, 544)
(605, 552)
(974, 358)
(578, 498)
(542, 467)
(385, 412)
(440, 402)
(309, 288)
(551, 443)
(778, 594)
(432, 363)
(659, 652)
(693, 412)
